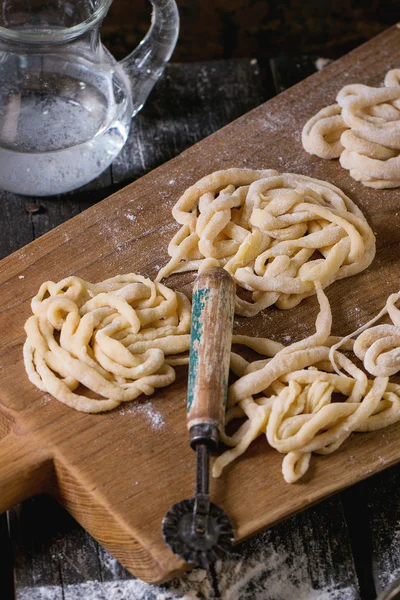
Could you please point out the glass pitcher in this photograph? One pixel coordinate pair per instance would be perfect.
(65, 103)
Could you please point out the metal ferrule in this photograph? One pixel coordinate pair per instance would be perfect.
(204, 433)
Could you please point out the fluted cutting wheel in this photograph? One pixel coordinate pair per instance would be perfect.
(195, 548)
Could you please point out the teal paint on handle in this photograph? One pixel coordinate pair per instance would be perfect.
(225, 384)
(199, 300)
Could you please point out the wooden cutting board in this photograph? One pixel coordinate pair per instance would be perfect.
(118, 473)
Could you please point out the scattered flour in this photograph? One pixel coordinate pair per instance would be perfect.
(146, 408)
(112, 232)
(46, 399)
(268, 572)
(129, 589)
(196, 585)
(130, 217)
(109, 564)
(387, 560)
(320, 63)
(21, 276)
(264, 573)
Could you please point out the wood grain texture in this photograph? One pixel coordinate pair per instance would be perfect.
(269, 136)
(213, 305)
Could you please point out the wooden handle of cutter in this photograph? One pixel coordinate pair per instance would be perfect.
(213, 305)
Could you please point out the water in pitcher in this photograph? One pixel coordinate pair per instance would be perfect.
(65, 102)
(61, 124)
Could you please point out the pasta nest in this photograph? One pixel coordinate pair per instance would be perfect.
(276, 234)
(290, 398)
(363, 129)
(379, 347)
(115, 339)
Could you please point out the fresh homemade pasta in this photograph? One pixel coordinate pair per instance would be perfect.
(276, 234)
(282, 237)
(117, 339)
(295, 408)
(362, 130)
(377, 346)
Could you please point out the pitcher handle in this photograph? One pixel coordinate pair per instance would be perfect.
(146, 63)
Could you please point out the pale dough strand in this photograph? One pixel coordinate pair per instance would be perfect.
(378, 347)
(296, 411)
(264, 228)
(321, 135)
(363, 131)
(116, 339)
(226, 186)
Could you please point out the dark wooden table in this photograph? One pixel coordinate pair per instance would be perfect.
(346, 548)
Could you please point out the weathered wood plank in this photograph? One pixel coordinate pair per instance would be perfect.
(289, 70)
(307, 555)
(54, 558)
(6, 573)
(58, 209)
(354, 502)
(16, 229)
(190, 102)
(23, 219)
(383, 495)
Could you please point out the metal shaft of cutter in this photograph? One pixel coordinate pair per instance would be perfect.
(202, 469)
(201, 498)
